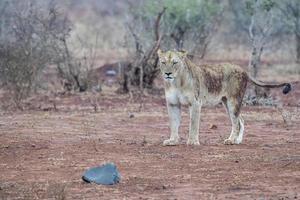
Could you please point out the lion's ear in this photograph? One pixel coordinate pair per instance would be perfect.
(159, 52)
(183, 53)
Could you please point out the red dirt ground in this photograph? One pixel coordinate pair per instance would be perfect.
(44, 153)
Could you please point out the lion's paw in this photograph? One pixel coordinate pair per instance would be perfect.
(170, 142)
(230, 142)
(193, 142)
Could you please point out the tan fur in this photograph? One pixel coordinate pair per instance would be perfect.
(188, 84)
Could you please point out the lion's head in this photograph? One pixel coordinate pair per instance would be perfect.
(171, 63)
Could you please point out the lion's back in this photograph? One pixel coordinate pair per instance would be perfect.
(224, 78)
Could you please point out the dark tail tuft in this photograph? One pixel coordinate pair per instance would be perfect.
(287, 88)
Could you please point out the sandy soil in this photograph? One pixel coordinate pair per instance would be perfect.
(43, 154)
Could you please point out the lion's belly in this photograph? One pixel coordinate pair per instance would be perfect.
(211, 99)
(175, 96)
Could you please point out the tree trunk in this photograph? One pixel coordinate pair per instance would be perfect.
(298, 48)
(254, 62)
(179, 43)
(254, 67)
(178, 38)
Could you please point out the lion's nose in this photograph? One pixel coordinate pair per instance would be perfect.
(168, 74)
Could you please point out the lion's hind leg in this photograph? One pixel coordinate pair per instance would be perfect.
(239, 139)
(233, 109)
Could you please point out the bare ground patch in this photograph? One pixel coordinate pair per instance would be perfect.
(44, 154)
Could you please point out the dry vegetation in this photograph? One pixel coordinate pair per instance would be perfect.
(66, 68)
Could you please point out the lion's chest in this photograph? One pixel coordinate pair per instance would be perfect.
(175, 96)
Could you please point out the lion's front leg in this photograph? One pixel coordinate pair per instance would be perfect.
(195, 109)
(174, 117)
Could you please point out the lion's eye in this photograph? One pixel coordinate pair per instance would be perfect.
(175, 62)
(163, 63)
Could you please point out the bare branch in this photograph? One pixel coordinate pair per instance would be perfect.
(156, 27)
(138, 46)
(251, 28)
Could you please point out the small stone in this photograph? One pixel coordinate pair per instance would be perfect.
(213, 126)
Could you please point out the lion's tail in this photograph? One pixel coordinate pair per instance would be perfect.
(287, 86)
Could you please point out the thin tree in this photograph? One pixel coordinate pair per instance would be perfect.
(259, 31)
(291, 11)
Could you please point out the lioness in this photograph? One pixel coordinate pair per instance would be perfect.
(188, 84)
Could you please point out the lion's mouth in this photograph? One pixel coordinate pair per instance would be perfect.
(168, 77)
